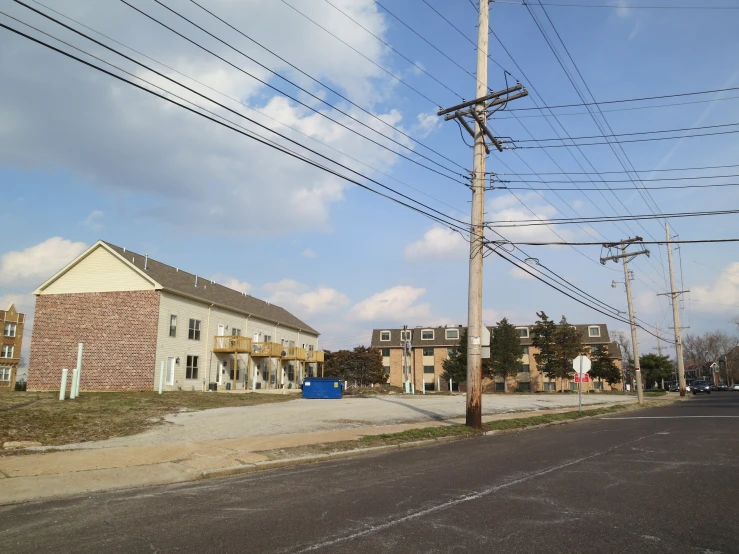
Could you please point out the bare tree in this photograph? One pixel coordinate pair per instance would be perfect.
(704, 350)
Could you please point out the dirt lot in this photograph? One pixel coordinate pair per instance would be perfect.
(41, 417)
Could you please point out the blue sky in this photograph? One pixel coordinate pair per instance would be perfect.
(83, 157)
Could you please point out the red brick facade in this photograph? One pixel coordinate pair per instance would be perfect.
(119, 332)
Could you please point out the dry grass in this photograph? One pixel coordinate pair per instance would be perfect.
(41, 417)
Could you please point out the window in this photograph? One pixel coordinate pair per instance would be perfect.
(4, 374)
(500, 387)
(524, 387)
(597, 385)
(238, 372)
(387, 370)
(522, 332)
(291, 373)
(594, 331)
(550, 386)
(524, 368)
(9, 330)
(405, 335)
(235, 332)
(385, 352)
(573, 386)
(428, 369)
(267, 338)
(385, 335)
(193, 331)
(310, 348)
(7, 351)
(596, 349)
(191, 369)
(173, 326)
(428, 351)
(427, 334)
(451, 352)
(452, 334)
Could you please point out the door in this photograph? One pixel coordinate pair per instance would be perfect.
(170, 371)
(220, 340)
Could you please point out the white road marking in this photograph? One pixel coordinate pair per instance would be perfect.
(460, 500)
(675, 417)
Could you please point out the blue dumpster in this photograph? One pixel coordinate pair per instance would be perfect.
(322, 388)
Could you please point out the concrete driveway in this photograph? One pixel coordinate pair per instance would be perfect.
(302, 416)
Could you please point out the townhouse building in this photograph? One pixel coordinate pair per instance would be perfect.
(431, 346)
(10, 347)
(136, 317)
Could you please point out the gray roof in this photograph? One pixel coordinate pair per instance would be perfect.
(440, 336)
(178, 281)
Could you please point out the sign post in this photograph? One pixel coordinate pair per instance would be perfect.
(581, 365)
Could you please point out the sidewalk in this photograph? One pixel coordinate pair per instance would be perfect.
(55, 474)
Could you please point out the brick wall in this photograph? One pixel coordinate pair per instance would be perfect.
(118, 329)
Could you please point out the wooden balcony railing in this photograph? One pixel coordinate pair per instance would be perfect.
(312, 356)
(271, 349)
(294, 353)
(230, 343)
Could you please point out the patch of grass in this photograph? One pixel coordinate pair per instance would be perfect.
(655, 393)
(41, 417)
(523, 422)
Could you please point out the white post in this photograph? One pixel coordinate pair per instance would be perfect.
(161, 378)
(63, 386)
(413, 388)
(80, 346)
(438, 384)
(73, 391)
(450, 385)
(579, 394)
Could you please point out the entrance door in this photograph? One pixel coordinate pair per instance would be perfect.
(170, 371)
(221, 332)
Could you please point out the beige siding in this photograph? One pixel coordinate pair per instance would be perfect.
(99, 271)
(210, 363)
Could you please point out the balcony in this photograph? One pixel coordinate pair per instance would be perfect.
(265, 349)
(294, 353)
(312, 356)
(229, 343)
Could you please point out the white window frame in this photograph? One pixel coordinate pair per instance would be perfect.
(9, 326)
(406, 335)
(423, 352)
(525, 329)
(382, 334)
(590, 335)
(7, 348)
(427, 331)
(3, 369)
(446, 334)
(193, 329)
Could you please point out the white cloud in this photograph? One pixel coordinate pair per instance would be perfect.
(93, 220)
(437, 243)
(427, 124)
(507, 209)
(720, 295)
(394, 304)
(646, 302)
(308, 253)
(577, 204)
(298, 297)
(623, 9)
(517, 273)
(195, 173)
(634, 31)
(30, 267)
(232, 282)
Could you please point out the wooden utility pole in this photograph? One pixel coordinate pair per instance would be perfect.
(676, 316)
(477, 110)
(626, 257)
(659, 341)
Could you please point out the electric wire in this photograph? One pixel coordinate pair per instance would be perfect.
(572, 221)
(632, 189)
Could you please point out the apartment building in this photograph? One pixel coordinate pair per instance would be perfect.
(136, 317)
(431, 346)
(10, 348)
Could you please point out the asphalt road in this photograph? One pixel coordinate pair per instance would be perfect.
(663, 480)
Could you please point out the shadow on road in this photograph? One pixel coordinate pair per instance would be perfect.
(431, 415)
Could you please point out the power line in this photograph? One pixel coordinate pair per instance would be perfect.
(531, 222)
(691, 178)
(657, 139)
(391, 74)
(260, 139)
(406, 58)
(574, 243)
(669, 187)
(235, 100)
(318, 112)
(621, 6)
(636, 170)
(323, 84)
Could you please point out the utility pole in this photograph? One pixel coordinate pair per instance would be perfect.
(626, 257)
(659, 341)
(478, 110)
(675, 315)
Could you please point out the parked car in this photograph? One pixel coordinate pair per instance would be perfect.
(700, 386)
(722, 387)
(735, 387)
(675, 387)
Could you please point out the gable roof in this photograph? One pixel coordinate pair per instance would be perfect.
(177, 281)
